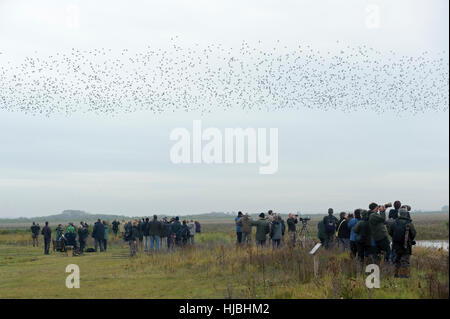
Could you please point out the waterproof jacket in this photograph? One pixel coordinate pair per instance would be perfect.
(83, 233)
(283, 226)
(99, 231)
(321, 230)
(115, 226)
(238, 227)
(330, 219)
(342, 230)
(377, 226)
(362, 229)
(351, 224)
(35, 229)
(393, 213)
(262, 228)
(134, 234)
(163, 229)
(106, 232)
(176, 228)
(47, 232)
(154, 228)
(398, 246)
(197, 227)
(291, 222)
(146, 228)
(276, 230)
(59, 232)
(246, 224)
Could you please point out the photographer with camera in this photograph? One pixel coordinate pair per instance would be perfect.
(377, 221)
(292, 229)
(403, 233)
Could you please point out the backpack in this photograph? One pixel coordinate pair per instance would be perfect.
(399, 232)
(90, 250)
(330, 226)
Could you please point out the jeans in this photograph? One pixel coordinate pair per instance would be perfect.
(169, 242)
(46, 245)
(154, 242)
(98, 242)
(191, 237)
(146, 243)
(239, 237)
(105, 244)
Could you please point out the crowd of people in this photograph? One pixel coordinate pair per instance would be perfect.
(148, 235)
(370, 235)
(366, 234)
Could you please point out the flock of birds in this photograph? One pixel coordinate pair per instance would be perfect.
(211, 77)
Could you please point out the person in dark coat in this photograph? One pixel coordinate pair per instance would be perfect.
(47, 234)
(184, 233)
(154, 230)
(403, 234)
(131, 235)
(115, 227)
(169, 233)
(145, 232)
(343, 233)
(238, 228)
(364, 244)
(276, 231)
(98, 233)
(176, 230)
(35, 230)
(330, 222)
(83, 234)
(292, 228)
(197, 227)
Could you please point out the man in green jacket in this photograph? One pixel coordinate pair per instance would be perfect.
(403, 233)
(377, 221)
(262, 229)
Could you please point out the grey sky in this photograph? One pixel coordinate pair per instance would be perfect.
(121, 164)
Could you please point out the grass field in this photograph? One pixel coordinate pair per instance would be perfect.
(216, 268)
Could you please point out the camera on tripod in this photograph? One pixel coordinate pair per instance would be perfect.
(303, 219)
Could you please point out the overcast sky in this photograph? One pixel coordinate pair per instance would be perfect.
(121, 164)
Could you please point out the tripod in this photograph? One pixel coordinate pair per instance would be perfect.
(304, 232)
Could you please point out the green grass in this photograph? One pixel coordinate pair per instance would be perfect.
(214, 268)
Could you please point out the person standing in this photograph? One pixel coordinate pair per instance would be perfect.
(170, 234)
(83, 233)
(191, 226)
(403, 234)
(146, 229)
(122, 228)
(354, 238)
(98, 233)
(176, 231)
(47, 234)
(292, 228)
(105, 238)
(378, 229)
(246, 226)
(115, 227)
(35, 234)
(238, 228)
(330, 222)
(343, 233)
(262, 229)
(276, 232)
(154, 233)
(131, 235)
(197, 227)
